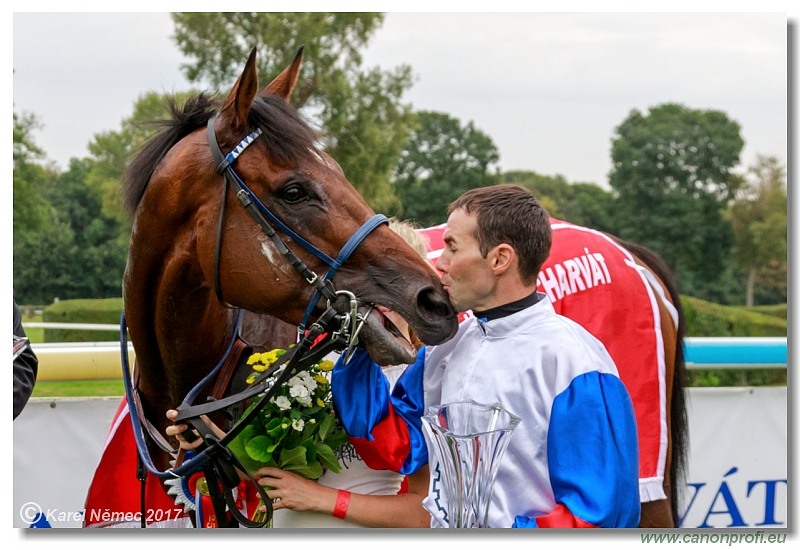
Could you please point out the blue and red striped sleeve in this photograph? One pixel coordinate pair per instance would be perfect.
(593, 456)
(385, 428)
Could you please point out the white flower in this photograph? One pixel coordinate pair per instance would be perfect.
(298, 424)
(305, 380)
(282, 402)
(301, 394)
(308, 381)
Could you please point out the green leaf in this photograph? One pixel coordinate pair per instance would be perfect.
(258, 448)
(236, 446)
(275, 428)
(293, 457)
(328, 458)
(311, 450)
(337, 439)
(309, 429)
(310, 471)
(326, 426)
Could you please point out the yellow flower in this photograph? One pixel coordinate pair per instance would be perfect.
(251, 378)
(255, 358)
(320, 402)
(325, 365)
(320, 379)
(259, 367)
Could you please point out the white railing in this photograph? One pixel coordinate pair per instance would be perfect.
(101, 360)
(73, 326)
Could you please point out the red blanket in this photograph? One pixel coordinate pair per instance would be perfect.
(114, 498)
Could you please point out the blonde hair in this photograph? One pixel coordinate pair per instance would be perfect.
(408, 231)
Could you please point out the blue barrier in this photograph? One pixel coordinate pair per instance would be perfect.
(735, 353)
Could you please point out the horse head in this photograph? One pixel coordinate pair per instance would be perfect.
(308, 191)
(195, 250)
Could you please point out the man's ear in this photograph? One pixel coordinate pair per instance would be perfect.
(502, 257)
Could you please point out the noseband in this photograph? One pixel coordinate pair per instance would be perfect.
(332, 331)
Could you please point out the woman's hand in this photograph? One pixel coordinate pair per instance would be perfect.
(294, 492)
(176, 430)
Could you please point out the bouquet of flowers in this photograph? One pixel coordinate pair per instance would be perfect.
(297, 429)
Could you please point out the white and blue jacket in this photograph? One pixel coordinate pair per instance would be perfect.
(573, 459)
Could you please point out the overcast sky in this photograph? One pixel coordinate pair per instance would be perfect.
(548, 88)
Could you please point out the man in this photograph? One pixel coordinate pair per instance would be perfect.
(573, 460)
(26, 365)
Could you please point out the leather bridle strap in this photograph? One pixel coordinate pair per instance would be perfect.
(267, 220)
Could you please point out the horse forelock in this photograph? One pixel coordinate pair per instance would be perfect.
(288, 137)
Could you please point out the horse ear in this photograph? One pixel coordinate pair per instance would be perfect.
(284, 83)
(234, 111)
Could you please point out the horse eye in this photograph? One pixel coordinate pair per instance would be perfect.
(293, 194)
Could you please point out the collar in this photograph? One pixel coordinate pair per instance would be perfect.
(507, 309)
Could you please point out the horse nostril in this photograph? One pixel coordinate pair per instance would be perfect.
(434, 306)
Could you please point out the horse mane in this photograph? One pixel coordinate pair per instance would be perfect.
(678, 413)
(288, 137)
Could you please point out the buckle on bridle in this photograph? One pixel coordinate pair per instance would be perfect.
(351, 323)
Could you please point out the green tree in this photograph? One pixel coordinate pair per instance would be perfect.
(673, 177)
(359, 113)
(42, 265)
(77, 254)
(112, 150)
(579, 203)
(591, 206)
(101, 238)
(759, 220)
(441, 160)
(31, 211)
(64, 245)
(33, 215)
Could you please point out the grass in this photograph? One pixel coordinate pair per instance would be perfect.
(71, 388)
(79, 388)
(35, 335)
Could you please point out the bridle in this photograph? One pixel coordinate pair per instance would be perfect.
(265, 218)
(333, 330)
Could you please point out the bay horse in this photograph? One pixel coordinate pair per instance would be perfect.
(236, 208)
(625, 295)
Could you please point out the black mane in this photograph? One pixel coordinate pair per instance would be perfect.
(287, 136)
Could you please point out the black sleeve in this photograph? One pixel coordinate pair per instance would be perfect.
(26, 367)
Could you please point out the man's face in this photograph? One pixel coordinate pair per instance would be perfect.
(466, 275)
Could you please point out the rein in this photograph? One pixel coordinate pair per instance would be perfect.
(333, 331)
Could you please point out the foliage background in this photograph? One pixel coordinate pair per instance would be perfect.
(677, 184)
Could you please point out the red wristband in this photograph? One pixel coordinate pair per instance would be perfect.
(342, 502)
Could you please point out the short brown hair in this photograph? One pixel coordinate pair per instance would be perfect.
(509, 214)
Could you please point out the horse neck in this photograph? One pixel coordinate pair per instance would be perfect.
(179, 332)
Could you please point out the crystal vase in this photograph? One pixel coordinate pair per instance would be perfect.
(469, 440)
